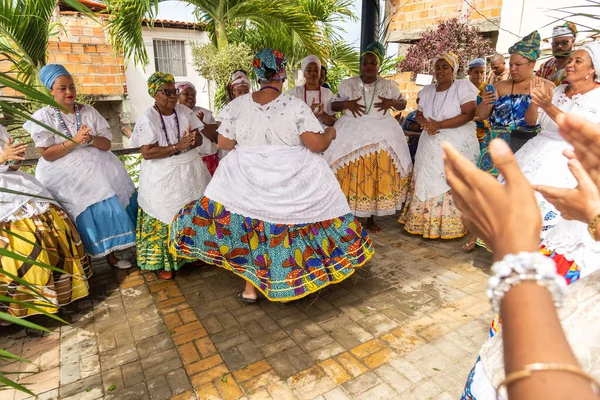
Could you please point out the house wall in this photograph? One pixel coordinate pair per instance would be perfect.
(137, 76)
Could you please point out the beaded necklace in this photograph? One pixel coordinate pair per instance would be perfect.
(305, 90)
(62, 121)
(164, 127)
(365, 95)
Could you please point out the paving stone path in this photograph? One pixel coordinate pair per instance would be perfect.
(408, 325)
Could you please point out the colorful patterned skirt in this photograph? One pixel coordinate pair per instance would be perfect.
(485, 162)
(211, 162)
(372, 185)
(52, 239)
(152, 238)
(434, 218)
(284, 262)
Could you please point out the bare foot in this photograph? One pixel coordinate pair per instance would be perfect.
(372, 226)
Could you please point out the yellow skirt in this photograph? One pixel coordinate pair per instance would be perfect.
(49, 238)
(372, 185)
(435, 218)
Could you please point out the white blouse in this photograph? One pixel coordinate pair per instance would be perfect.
(311, 97)
(277, 123)
(369, 93)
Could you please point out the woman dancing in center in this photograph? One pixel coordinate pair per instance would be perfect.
(273, 213)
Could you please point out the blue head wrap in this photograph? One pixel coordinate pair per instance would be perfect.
(50, 72)
(269, 59)
(478, 62)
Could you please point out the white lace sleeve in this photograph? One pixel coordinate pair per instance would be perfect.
(467, 92)
(343, 93)
(4, 136)
(99, 124)
(228, 120)
(144, 132)
(41, 136)
(305, 119)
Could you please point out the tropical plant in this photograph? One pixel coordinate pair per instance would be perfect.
(454, 35)
(217, 64)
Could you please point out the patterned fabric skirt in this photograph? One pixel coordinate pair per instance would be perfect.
(211, 162)
(485, 162)
(106, 226)
(567, 268)
(284, 262)
(52, 239)
(372, 185)
(152, 238)
(435, 218)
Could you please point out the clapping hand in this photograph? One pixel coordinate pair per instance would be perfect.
(318, 109)
(384, 104)
(541, 94)
(200, 115)
(355, 108)
(431, 126)
(13, 152)
(187, 140)
(83, 135)
(488, 207)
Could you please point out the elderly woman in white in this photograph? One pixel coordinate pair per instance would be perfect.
(172, 172)
(315, 96)
(82, 173)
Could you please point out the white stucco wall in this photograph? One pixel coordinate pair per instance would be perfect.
(524, 16)
(137, 88)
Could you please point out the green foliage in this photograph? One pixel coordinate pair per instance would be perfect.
(335, 75)
(217, 64)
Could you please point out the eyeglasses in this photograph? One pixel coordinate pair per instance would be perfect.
(561, 43)
(170, 92)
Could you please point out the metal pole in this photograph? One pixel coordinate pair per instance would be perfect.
(370, 23)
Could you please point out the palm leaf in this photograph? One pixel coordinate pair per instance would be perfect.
(35, 307)
(7, 382)
(23, 322)
(11, 356)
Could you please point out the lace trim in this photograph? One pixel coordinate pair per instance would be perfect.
(112, 250)
(28, 210)
(367, 151)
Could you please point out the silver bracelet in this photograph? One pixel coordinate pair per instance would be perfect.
(515, 269)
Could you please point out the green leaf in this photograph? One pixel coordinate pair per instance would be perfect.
(111, 387)
(436, 369)
(21, 321)
(224, 379)
(15, 256)
(35, 307)
(6, 354)
(88, 389)
(7, 382)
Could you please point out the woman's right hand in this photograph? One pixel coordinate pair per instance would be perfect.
(355, 108)
(13, 152)
(330, 130)
(489, 98)
(541, 94)
(186, 141)
(506, 217)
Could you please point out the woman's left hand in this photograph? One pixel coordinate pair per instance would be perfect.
(384, 105)
(582, 203)
(541, 94)
(431, 126)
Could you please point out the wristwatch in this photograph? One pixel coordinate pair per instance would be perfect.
(592, 226)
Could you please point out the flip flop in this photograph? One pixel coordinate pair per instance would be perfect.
(241, 298)
(122, 264)
(470, 247)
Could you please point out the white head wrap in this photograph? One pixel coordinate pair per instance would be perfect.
(310, 59)
(593, 49)
(450, 58)
(239, 78)
(562, 31)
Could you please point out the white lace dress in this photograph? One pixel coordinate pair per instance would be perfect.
(167, 184)
(91, 185)
(543, 163)
(322, 96)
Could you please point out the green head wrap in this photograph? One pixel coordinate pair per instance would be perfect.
(377, 49)
(158, 79)
(528, 47)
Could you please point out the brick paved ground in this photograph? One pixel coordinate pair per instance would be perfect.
(406, 326)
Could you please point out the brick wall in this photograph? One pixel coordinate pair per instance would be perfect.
(408, 88)
(420, 14)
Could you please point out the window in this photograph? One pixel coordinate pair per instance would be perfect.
(169, 56)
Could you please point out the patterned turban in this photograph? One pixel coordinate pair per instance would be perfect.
(528, 47)
(377, 49)
(566, 29)
(478, 62)
(181, 86)
(50, 72)
(158, 79)
(450, 58)
(239, 78)
(269, 59)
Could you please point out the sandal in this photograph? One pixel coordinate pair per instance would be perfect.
(469, 247)
(166, 275)
(247, 300)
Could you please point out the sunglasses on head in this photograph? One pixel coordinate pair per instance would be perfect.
(170, 92)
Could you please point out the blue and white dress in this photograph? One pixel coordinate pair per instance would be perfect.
(91, 185)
